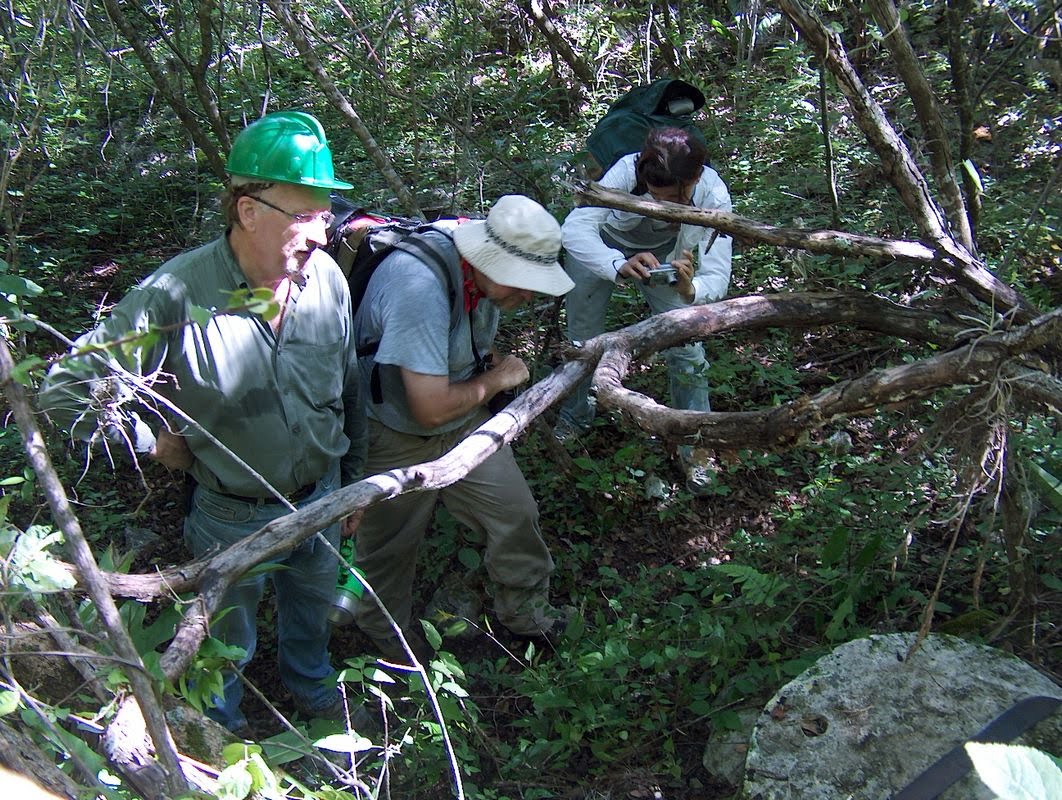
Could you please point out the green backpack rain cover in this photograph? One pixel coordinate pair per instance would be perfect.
(666, 103)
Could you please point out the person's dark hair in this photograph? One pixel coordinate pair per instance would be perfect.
(238, 187)
(669, 157)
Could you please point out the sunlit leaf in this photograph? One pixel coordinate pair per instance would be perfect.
(1014, 772)
(344, 743)
(8, 703)
(199, 315)
(975, 176)
(234, 783)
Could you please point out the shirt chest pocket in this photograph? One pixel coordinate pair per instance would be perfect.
(317, 370)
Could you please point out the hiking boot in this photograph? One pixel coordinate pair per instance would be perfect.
(567, 432)
(699, 479)
(245, 731)
(543, 623)
(700, 472)
(334, 709)
(390, 648)
(454, 609)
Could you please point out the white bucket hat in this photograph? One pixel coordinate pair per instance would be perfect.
(516, 245)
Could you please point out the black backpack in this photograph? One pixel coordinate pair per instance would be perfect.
(666, 103)
(359, 240)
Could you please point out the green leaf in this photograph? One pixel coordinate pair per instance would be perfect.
(728, 720)
(34, 568)
(1047, 485)
(835, 548)
(200, 316)
(263, 781)
(285, 747)
(234, 783)
(836, 629)
(1014, 772)
(975, 176)
(431, 633)
(20, 373)
(865, 557)
(20, 287)
(8, 703)
(469, 557)
(344, 743)
(259, 301)
(238, 751)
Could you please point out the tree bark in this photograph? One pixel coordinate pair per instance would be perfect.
(974, 363)
(542, 16)
(968, 360)
(901, 169)
(948, 260)
(173, 98)
(20, 754)
(929, 116)
(167, 775)
(196, 68)
(820, 242)
(958, 11)
(297, 30)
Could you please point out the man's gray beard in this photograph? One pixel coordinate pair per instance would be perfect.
(296, 275)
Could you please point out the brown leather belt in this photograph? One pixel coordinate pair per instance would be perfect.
(297, 496)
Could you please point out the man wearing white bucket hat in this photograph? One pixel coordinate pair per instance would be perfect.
(421, 328)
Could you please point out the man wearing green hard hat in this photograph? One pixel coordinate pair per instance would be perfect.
(276, 397)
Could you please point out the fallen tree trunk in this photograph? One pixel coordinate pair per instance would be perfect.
(610, 355)
(945, 256)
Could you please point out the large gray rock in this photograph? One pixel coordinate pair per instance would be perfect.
(865, 721)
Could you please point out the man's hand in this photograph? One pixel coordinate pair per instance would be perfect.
(172, 451)
(507, 372)
(684, 272)
(637, 266)
(350, 523)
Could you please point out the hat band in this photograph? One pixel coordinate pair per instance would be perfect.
(513, 250)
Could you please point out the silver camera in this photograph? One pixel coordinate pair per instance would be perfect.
(664, 276)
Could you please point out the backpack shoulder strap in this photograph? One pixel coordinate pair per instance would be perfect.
(422, 248)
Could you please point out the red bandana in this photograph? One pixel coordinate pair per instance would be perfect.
(472, 294)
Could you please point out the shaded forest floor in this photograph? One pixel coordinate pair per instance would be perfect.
(597, 514)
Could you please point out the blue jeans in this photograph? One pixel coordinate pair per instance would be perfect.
(304, 587)
(587, 305)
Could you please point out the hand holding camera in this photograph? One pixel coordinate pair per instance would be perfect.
(661, 276)
(645, 267)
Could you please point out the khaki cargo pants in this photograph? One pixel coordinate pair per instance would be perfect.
(493, 500)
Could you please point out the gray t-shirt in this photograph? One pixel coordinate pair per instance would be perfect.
(408, 310)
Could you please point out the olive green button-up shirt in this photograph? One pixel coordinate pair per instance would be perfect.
(287, 405)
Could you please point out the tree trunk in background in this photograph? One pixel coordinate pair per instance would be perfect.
(542, 16)
(958, 11)
(297, 31)
(929, 116)
(188, 118)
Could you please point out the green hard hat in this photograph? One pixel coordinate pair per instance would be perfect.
(286, 147)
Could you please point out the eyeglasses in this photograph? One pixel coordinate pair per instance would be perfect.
(326, 217)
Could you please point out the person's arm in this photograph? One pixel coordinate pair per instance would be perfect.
(434, 400)
(83, 396)
(714, 249)
(581, 231)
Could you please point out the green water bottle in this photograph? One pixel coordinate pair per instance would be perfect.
(349, 589)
